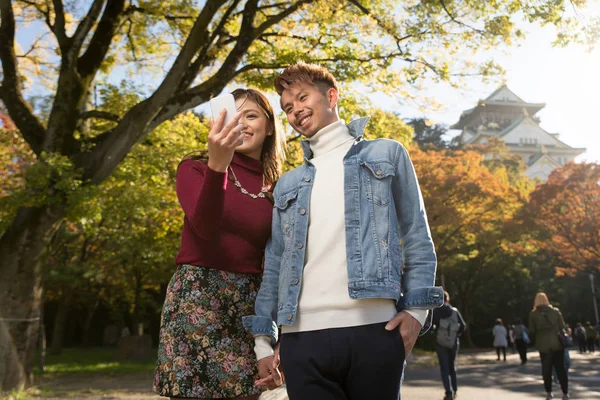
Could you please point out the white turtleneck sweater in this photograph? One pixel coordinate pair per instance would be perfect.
(324, 301)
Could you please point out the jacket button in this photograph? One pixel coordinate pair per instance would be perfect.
(300, 245)
(289, 317)
(307, 179)
(295, 281)
(303, 211)
(379, 172)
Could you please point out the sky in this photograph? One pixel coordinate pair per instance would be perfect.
(567, 80)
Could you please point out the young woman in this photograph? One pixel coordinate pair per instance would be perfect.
(544, 323)
(204, 351)
(500, 342)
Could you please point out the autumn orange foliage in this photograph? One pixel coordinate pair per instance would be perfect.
(566, 210)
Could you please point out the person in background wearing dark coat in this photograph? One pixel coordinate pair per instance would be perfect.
(579, 336)
(544, 323)
(521, 340)
(451, 333)
(590, 334)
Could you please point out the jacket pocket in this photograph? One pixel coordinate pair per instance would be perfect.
(283, 201)
(285, 205)
(378, 176)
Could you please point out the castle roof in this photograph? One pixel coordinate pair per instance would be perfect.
(500, 100)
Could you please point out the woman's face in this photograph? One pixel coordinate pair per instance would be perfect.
(257, 127)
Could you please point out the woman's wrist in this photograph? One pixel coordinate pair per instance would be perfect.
(217, 166)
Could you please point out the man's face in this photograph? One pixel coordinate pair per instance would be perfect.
(308, 109)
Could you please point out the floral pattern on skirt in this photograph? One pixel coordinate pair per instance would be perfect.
(203, 349)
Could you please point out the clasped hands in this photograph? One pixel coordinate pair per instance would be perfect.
(270, 374)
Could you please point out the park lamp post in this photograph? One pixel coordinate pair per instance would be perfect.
(594, 296)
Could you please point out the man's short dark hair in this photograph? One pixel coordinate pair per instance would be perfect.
(313, 74)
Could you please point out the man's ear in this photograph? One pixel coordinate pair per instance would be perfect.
(332, 97)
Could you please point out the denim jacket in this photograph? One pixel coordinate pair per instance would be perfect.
(389, 250)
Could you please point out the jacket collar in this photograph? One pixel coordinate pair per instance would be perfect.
(356, 129)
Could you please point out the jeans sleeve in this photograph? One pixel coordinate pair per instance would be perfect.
(419, 259)
(265, 308)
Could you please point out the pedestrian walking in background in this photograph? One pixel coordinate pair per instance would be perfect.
(448, 326)
(545, 321)
(569, 336)
(500, 341)
(511, 338)
(590, 335)
(579, 336)
(521, 335)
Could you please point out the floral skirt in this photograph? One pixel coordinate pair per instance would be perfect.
(204, 351)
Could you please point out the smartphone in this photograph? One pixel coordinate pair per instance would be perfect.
(226, 102)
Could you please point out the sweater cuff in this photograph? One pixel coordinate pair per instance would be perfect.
(262, 347)
(215, 179)
(419, 315)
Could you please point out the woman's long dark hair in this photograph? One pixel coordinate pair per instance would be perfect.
(273, 150)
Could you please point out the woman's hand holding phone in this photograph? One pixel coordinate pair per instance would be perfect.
(222, 141)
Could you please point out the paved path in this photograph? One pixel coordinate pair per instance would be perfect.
(481, 377)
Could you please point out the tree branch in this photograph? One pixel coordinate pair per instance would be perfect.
(100, 115)
(215, 84)
(59, 24)
(113, 145)
(276, 5)
(202, 60)
(58, 28)
(279, 17)
(368, 13)
(84, 27)
(10, 91)
(460, 22)
(96, 51)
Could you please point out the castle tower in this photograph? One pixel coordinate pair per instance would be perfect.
(505, 115)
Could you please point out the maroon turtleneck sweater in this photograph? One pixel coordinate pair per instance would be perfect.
(223, 228)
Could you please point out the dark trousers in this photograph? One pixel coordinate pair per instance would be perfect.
(522, 349)
(582, 347)
(503, 349)
(590, 344)
(554, 359)
(447, 360)
(356, 363)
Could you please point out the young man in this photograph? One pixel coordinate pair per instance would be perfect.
(350, 266)
(449, 325)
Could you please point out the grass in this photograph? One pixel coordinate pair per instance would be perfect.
(78, 362)
(92, 361)
(41, 393)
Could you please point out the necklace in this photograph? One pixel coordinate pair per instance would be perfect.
(237, 183)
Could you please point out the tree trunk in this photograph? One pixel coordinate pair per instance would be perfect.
(21, 246)
(467, 314)
(136, 317)
(87, 323)
(60, 321)
(42, 342)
